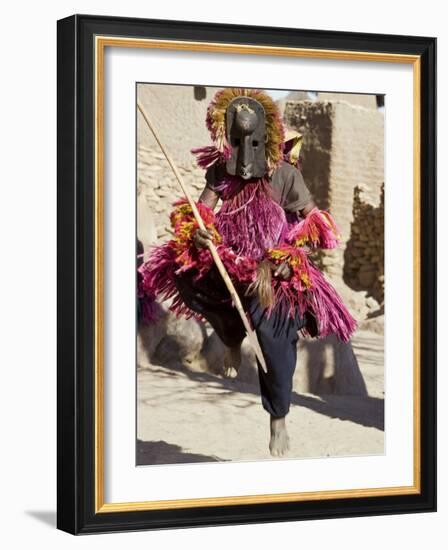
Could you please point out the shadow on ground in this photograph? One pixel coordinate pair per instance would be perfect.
(161, 452)
(366, 411)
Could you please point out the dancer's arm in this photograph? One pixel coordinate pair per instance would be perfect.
(210, 199)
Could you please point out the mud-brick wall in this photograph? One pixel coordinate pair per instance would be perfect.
(364, 100)
(315, 122)
(178, 113)
(343, 147)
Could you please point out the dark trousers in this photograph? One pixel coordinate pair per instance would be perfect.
(277, 334)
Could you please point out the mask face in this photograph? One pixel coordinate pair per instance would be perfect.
(246, 133)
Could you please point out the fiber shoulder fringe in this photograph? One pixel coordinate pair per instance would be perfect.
(157, 276)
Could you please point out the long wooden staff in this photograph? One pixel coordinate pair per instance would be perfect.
(252, 335)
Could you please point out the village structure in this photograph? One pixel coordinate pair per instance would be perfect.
(339, 388)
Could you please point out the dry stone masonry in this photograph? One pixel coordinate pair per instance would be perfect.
(178, 113)
(364, 254)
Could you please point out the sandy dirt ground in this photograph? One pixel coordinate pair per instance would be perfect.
(186, 416)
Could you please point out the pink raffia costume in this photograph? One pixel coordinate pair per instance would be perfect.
(258, 224)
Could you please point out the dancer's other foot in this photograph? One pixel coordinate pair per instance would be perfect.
(232, 361)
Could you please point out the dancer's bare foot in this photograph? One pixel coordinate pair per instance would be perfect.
(232, 361)
(279, 443)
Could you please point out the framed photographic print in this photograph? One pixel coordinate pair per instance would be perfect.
(246, 274)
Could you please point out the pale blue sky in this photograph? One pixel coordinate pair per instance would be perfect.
(277, 94)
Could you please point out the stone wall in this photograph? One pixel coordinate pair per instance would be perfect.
(178, 113)
(158, 188)
(364, 254)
